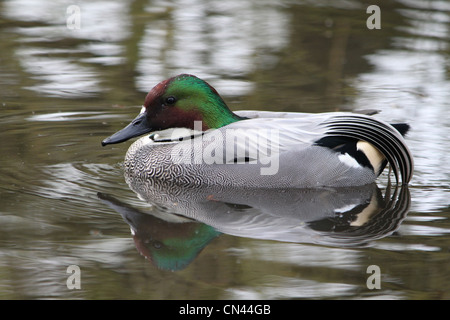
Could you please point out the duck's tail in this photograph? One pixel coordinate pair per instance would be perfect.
(403, 128)
(386, 138)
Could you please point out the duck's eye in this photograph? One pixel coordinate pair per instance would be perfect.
(171, 100)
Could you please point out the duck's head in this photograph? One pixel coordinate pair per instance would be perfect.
(177, 102)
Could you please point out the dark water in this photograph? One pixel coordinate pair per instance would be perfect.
(65, 201)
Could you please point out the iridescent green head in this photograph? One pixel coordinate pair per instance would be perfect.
(178, 102)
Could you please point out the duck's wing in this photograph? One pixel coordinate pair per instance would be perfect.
(252, 114)
(281, 132)
(269, 133)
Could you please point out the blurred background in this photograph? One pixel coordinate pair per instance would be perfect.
(74, 72)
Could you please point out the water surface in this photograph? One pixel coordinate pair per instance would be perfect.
(65, 200)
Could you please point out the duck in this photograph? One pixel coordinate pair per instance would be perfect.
(190, 137)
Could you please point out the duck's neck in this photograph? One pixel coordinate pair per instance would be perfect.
(221, 116)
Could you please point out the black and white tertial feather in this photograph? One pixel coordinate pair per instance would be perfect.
(276, 150)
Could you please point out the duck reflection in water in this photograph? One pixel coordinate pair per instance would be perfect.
(184, 220)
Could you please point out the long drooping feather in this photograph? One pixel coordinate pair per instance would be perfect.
(308, 147)
(383, 136)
